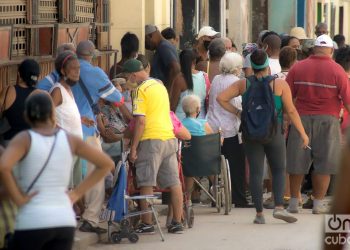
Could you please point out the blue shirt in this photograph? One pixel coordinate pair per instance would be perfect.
(48, 82)
(99, 86)
(196, 127)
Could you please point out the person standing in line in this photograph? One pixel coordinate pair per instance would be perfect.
(153, 147)
(46, 218)
(130, 46)
(319, 87)
(274, 149)
(15, 96)
(165, 65)
(67, 113)
(191, 81)
(93, 85)
(219, 118)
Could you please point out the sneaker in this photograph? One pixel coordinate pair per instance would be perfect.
(88, 228)
(293, 210)
(320, 210)
(282, 214)
(144, 228)
(175, 228)
(259, 219)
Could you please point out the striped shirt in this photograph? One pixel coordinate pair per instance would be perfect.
(319, 86)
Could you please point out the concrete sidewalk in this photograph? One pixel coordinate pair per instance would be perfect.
(235, 231)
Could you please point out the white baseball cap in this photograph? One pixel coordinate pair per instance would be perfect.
(207, 31)
(324, 41)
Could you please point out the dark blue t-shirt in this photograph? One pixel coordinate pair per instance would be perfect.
(165, 54)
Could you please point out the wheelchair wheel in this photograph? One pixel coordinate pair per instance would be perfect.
(133, 238)
(225, 184)
(116, 237)
(229, 183)
(218, 193)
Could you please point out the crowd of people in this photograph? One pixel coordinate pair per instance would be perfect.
(53, 154)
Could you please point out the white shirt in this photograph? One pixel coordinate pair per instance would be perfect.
(51, 207)
(218, 117)
(67, 114)
(275, 66)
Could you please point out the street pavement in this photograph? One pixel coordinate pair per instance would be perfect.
(235, 231)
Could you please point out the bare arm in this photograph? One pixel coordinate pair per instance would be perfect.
(248, 72)
(126, 113)
(178, 86)
(183, 134)
(56, 96)
(15, 151)
(140, 121)
(103, 164)
(174, 70)
(232, 91)
(291, 111)
(208, 129)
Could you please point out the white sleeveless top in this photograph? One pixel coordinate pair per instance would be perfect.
(51, 207)
(67, 114)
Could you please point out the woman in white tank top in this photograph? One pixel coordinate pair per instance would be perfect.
(43, 156)
(67, 112)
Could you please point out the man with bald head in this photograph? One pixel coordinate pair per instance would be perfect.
(93, 85)
(319, 86)
(272, 46)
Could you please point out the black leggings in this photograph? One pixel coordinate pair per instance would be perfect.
(59, 238)
(234, 153)
(275, 152)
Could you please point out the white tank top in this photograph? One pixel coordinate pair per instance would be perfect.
(67, 114)
(51, 207)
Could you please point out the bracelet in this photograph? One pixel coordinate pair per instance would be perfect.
(238, 111)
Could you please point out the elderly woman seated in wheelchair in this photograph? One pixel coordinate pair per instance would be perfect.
(202, 157)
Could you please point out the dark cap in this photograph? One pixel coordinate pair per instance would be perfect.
(132, 66)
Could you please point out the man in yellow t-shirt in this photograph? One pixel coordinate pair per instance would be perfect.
(153, 147)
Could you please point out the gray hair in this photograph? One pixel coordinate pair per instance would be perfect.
(321, 25)
(65, 47)
(85, 48)
(190, 104)
(217, 48)
(231, 63)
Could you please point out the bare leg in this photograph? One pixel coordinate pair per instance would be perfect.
(189, 186)
(176, 200)
(320, 185)
(295, 184)
(146, 218)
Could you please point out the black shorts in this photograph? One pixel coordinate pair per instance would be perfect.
(59, 238)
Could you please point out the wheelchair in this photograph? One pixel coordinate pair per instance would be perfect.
(201, 157)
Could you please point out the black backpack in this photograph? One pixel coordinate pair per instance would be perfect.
(259, 116)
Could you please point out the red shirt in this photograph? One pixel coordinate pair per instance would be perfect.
(318, 85)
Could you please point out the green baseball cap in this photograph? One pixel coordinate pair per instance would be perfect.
(132, 65)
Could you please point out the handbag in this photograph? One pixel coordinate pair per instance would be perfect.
(9, 236)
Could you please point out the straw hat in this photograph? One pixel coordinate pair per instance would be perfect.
(298, 32)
